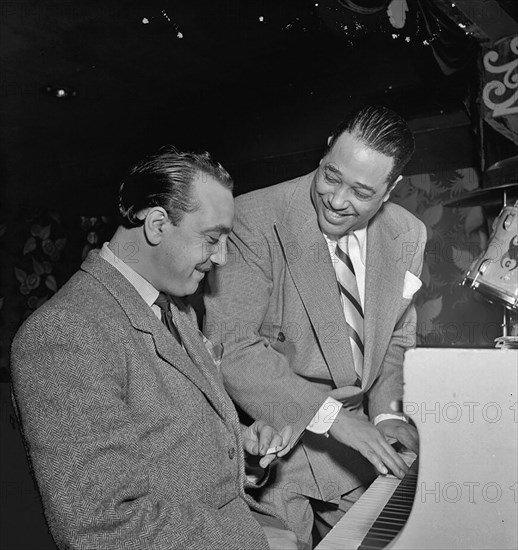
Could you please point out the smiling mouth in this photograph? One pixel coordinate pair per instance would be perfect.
(333, 214)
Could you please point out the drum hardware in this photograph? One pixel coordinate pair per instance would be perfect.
(509, 338)
(487, 197)
(494, 273)
(506, 173)
(503, 169)
(497, 277)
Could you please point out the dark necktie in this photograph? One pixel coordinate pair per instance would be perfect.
(164, 303)
(350, 302)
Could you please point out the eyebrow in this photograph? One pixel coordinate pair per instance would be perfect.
(220, 228)
(366, 187)
(337, 172)
(333, 169)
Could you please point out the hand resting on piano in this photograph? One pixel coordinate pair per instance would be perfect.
(371, 441)
(399, 431)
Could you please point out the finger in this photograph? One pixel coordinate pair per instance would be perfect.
(409, 438)
(267, 438)
(251, 446)
(272, 453)
(393, 461)
(251, 437)
(375, 460)
(251, 432)
(275, 445)
(257, 426)
(267, 460)
(385, 459)
(286, 434)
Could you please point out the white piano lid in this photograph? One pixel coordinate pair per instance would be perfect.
(464, 404)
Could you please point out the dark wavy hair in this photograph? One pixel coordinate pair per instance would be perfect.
(382, 130)
(165, 179)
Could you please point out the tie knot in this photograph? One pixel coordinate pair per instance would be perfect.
(163, 302)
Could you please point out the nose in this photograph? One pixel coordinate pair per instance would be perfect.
(340, 197)
(219, 256)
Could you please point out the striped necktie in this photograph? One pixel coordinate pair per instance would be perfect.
(351, 302)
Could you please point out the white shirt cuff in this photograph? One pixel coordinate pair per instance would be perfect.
(325, 417)
(388, 416)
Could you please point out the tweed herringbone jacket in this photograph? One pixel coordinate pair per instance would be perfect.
(131, 444)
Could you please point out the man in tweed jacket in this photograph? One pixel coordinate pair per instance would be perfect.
(277, 309)
(132, 439)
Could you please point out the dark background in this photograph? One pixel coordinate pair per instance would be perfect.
(243, 88)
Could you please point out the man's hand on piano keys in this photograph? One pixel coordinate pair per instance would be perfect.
(367, 439)
(401, 431)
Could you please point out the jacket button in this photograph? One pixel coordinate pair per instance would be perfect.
(281, 337)
(231, 453)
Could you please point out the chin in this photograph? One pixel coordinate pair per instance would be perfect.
(193, 284)
(332, 230)
(191, 289)
(185, 289)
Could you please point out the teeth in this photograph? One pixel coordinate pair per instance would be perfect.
(335, 214)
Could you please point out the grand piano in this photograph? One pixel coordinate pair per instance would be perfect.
(462, 491)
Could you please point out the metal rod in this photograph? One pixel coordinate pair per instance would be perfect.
(504, 324)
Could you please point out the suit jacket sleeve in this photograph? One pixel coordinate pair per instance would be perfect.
(257, 376)
(84, 450)
(387, 389)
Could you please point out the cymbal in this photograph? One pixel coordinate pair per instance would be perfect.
(491, 196)
(502, 168)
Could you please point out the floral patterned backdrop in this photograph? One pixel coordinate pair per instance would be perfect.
(40, 250)
(450, 314)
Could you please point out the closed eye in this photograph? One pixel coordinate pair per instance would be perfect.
(332, 179)
(362, 196)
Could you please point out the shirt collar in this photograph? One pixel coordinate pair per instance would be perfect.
(148, 292)
(361, 237)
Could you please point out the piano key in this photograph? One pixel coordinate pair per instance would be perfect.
(394, 515)
(351, 530)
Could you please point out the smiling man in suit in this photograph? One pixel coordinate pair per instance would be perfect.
(314, 313)
(132, 439)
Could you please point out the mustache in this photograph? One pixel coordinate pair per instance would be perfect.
(344, 211)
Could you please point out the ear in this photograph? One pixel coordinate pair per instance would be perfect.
(155, 222)
(328, 142)
(391, 188)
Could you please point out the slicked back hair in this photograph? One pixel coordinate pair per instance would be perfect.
(165, 179)
(382, 130)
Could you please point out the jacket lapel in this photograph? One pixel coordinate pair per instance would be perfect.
(143, 319)
(192, 339)
(313, 274)
(309, 263)
(383, 290)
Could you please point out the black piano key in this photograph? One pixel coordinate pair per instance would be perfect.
(394, 515)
